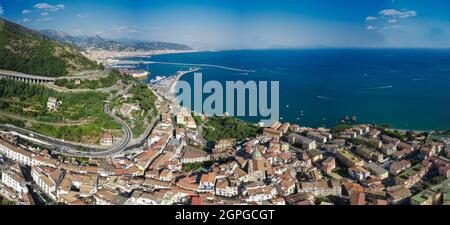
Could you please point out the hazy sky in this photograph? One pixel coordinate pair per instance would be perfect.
(246, 24)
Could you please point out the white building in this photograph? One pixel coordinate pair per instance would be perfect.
(146, 198)
(52, 103)
(260, 194)
(226, 188)
(46, 183)
(107, 139)
(17, 154)
(13, 178)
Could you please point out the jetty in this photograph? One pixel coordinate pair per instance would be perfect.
(130, 62)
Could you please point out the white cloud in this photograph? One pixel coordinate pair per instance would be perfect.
(48, 7)
(391, 27)
(83, 16)
(389, 19)
(119, 29)
(44, 14)
(26, 11)
(371, 18)
(397, 13)
(27, 20)
(1, 10)
(371, 27)
(46, 19)
(392, 20)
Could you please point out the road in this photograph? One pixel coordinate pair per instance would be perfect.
(127, 132)
(68, 123)
(87, 75)
(14, 74)
(71, 149)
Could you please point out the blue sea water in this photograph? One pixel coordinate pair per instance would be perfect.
(406, 88)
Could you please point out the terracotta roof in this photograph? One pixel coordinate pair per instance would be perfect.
(192, 154)
(358, 198)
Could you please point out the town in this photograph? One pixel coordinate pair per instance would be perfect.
(94, 120)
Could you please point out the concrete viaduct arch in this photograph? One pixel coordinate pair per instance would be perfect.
(33, 79)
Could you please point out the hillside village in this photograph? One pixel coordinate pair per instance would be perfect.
(284, 164)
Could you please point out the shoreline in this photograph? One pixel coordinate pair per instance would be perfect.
(177, 77)
(103, 56)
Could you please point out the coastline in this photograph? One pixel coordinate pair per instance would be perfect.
(419, 129)
(103, 56)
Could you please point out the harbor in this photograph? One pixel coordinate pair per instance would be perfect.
(120, 63)
(165, 86)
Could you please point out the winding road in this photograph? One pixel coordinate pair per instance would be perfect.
(71, 149)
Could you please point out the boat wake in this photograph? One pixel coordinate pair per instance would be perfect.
(420, 79)
(324, 97)
(382, 87)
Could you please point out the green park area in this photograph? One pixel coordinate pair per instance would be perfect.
(144, 100)
(218, 128)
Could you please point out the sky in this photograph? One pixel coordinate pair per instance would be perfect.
(250, 24)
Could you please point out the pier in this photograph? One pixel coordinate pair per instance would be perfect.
(130, 62)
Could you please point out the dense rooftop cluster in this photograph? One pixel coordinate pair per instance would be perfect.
(283, 164)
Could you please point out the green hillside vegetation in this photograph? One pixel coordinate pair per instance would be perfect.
(103, 82)
(217, 128)
(79, 117)
(143, 97)
(28, 51)
(340, 128)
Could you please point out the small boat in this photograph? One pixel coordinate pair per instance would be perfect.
(158, 78)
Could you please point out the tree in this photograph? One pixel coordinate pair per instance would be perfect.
(340, 128)
(218, 128)
(7, 202)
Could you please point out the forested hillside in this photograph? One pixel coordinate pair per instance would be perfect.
(28, 51)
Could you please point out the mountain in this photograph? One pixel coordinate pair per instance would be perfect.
(85, 42)
(29, 51)
(98, 42)
(154, 45)
(57, 35)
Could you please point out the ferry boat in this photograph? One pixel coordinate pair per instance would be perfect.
(136, 73)
(139, 74)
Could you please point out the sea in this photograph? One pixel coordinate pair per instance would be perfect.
(405, 88)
